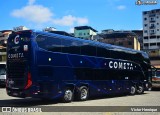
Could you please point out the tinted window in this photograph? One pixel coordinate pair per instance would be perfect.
(88, 49)
(49, 43)
(121, 55)
(72, 47)
(102, 52)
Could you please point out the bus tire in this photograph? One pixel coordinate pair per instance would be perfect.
(83, 93)
(133, 90)
(68, 95)
(140, 89)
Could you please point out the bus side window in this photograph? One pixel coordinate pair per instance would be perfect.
(69, 46)
(49, 43)
(102, 52)
(54, 44)
(88, 49)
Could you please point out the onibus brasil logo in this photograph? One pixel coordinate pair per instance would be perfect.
(146, 2)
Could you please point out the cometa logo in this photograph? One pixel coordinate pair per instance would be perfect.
(16, 39)
(120, 65)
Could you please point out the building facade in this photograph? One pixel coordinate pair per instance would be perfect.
(139, 34)
(121, 38)
(151, 29)
(3, 42)
(151, 35)
(85, 32)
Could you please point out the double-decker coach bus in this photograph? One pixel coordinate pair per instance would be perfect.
(48, 66)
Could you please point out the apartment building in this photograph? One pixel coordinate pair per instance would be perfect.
(85, 32)
(151, 29)
(151, 35)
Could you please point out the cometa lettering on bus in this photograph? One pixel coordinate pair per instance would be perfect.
(17, 55)
(120, 65)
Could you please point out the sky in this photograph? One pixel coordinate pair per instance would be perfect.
(64, 15)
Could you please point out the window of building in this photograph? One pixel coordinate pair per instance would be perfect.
(145, 37)
(144, 13)
(120, 43)
(84, 33)
(152, 37)
(152, 19)
(146, 44)
(145, 18)
(145, 31)
(152, 25)
(157, 29)
(157, 23)
(145, 25)
(157, 17)
(151, 31)
(80, 34)
(129, 42)
(152, 44)
(158, 36)
(88, 33)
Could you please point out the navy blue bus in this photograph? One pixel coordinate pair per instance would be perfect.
(50, 66)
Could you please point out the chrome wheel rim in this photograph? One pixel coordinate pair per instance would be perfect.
(140, 89)
(133, 90)
(84, 94)
(68, 95)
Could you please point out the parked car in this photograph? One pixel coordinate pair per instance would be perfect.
(2, 73)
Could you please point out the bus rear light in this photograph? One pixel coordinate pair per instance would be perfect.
(29, 81)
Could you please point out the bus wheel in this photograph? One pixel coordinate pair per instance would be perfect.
(133, 90)
(83, 93)
(140, 89)
(68, 95)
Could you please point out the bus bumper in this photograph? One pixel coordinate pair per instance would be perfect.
(33, 92)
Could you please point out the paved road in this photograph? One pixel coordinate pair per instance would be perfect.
(149, 98)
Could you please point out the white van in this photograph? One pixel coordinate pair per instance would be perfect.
(2, 73)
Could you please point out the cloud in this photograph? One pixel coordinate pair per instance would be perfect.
(71, 30)
(39, 14)
(31, 2)
(121, 7)
(82, 21)
(33, 13)
(65, 20)
(70, 20)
